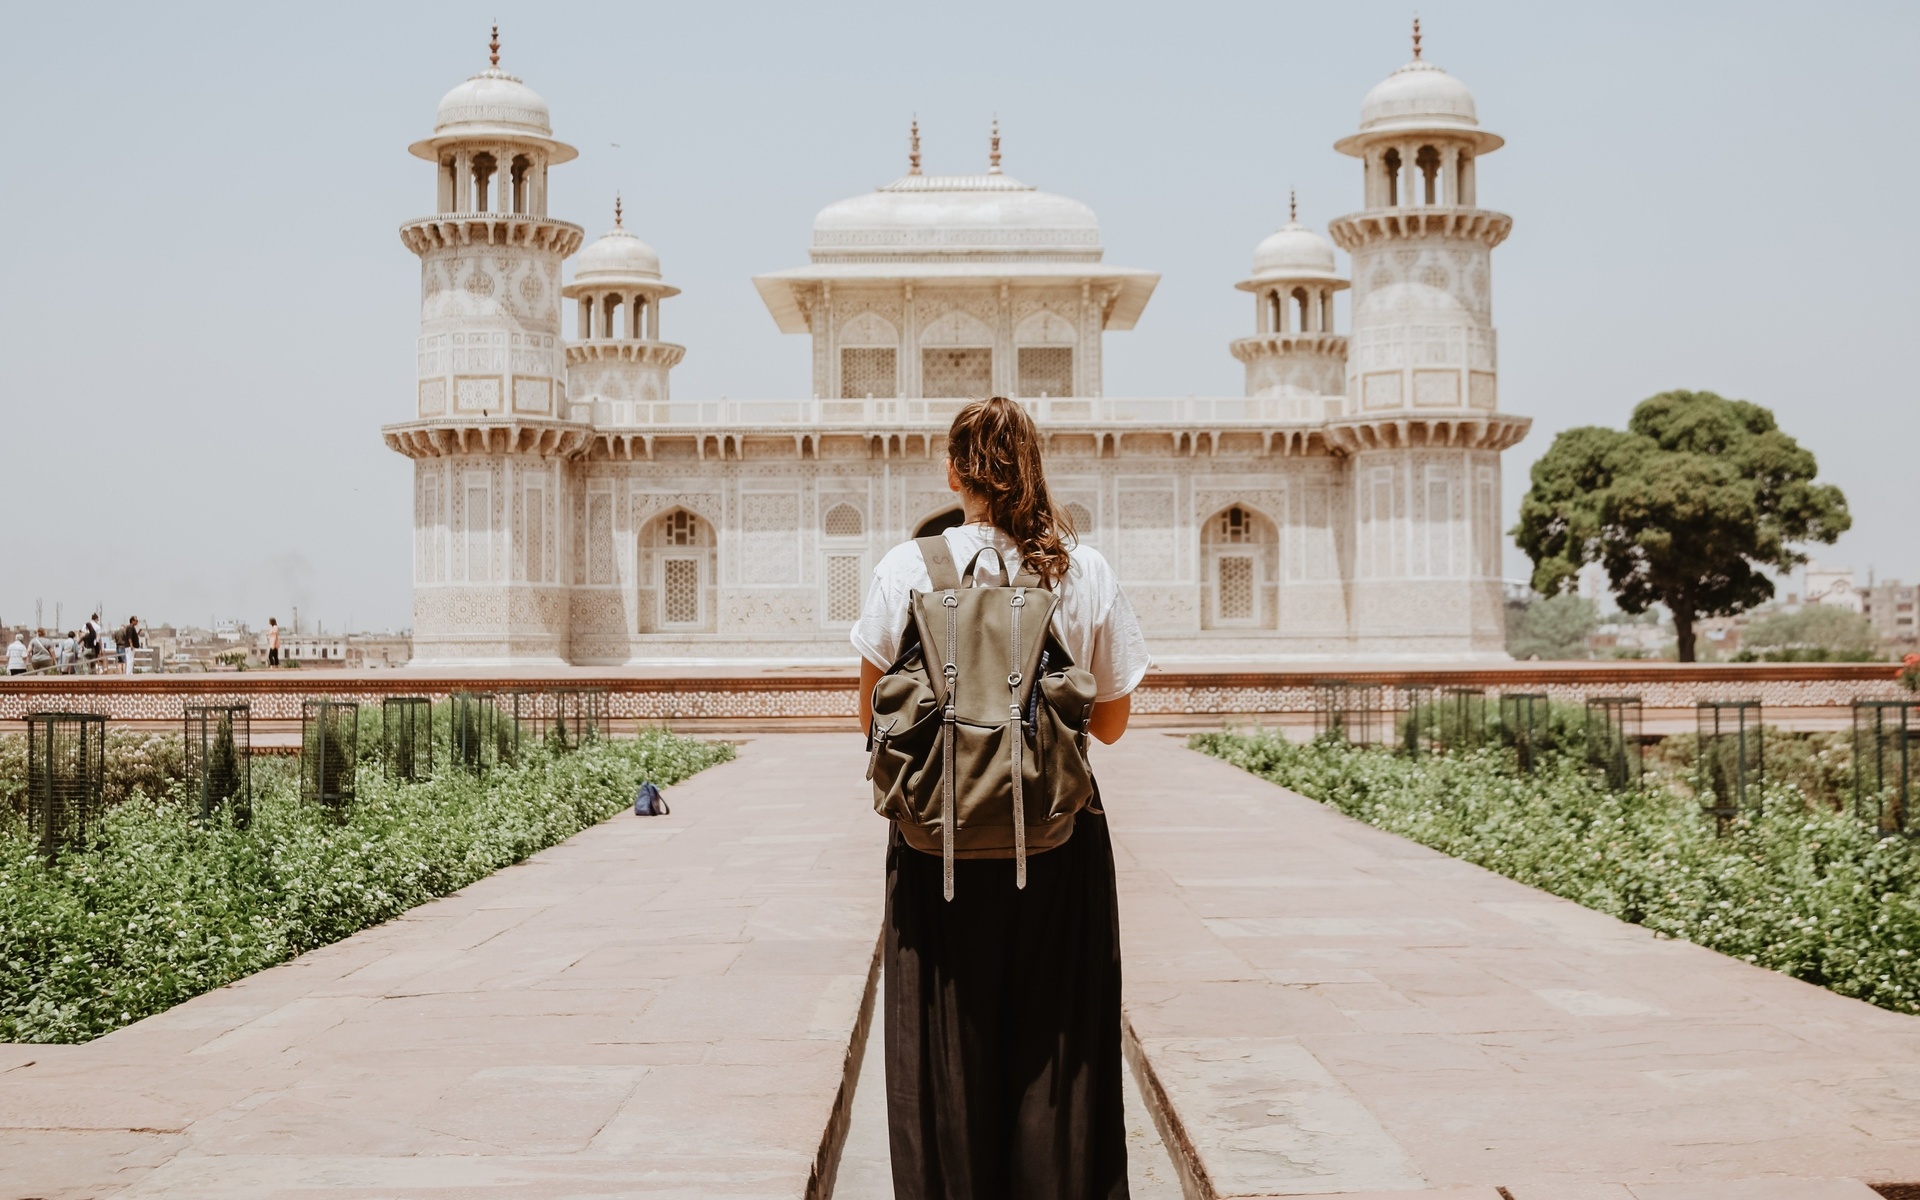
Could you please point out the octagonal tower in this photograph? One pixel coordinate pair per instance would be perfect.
(490, 428)
(1423, 428)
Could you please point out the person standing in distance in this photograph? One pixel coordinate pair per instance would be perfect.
(273, 641)
(1002, 1021)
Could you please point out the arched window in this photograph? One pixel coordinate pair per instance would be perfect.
(1428, 161)
(1304, 308)
(1080, 518)
(843, 521)
(522, 179)
(1390, 163)
(1241, 549)
(676, 574)
(484, 169)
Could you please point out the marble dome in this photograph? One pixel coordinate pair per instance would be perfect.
(942, 217)
(616, 256)
(1294, 252)
(1418, 96)
(493, 104)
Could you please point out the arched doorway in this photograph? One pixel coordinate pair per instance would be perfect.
(1240, 548)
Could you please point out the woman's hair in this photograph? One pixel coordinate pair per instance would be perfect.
(995, 449)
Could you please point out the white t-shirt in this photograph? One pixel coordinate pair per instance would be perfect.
(1093, 619)
(16, 655)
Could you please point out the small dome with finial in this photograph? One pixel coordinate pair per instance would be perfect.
(493, 104)
(1420, 98)
(617, 257)
(1293, 252)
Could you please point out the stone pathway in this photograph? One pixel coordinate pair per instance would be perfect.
(667, 1008)
(657, 1007)
(1334, 1010)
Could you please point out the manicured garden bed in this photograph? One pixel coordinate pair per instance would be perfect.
(162, 908)
(1801, 888)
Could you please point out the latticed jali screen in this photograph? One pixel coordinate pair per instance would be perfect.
(680, 591)
(843, 587)
(1236, 588)
(1046, 371)
(956, 374)
(867, 372)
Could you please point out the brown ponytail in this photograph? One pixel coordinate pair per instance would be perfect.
(995, 449)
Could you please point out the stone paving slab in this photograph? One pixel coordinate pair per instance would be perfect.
(1333, 1010)
(656, 1007)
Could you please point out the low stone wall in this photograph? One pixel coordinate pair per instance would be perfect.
(815, 696)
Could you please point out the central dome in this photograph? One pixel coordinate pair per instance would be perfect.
(943, 217)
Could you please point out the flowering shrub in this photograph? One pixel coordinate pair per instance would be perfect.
(1801, 889)
(165, 909)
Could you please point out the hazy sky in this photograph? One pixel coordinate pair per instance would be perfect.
(208, 313)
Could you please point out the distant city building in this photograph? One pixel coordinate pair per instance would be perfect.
(1894, 609)
(1833, 587)
(568, 508)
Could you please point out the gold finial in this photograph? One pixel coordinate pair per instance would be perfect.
(1416, 37)
(1293, 207)
(493, 46)
(913, 147)
(619, 219)
(993, 153)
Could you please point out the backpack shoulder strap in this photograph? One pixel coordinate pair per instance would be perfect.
(939, 560)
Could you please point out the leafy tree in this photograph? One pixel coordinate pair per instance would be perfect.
(1825, 627)
(1551, 629)
(1684, 508)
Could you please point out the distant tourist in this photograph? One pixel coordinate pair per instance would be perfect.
(1004, 1073)
(17, 656)
(129, 642)
(273, 641)
(40, 651)
(90, 635)
(69, 653)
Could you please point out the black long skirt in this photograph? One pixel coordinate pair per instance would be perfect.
(1003, 1026)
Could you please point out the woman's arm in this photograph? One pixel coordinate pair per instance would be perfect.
(1110, 718)
(869, 675)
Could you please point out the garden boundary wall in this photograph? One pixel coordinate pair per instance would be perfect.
(1805, 695)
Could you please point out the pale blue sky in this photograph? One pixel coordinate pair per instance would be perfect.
(207, 313)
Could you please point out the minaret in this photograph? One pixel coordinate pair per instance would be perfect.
(1295, 357)
(617, 363)
(1423, 428)
(490, 427)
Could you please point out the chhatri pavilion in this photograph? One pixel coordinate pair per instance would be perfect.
(568, 509)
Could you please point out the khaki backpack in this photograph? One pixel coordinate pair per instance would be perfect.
(982, 716)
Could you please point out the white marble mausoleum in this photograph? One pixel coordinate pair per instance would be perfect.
(569, 509)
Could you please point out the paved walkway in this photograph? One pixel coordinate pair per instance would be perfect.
(656, 1007)
(667, 1008)
(1331, 1010)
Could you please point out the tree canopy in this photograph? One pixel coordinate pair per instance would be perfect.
(1686, 508)
(1551, 629)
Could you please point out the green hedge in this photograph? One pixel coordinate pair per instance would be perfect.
(1802, 889)
(163, 909)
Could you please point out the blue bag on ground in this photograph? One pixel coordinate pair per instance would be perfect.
(648, 802)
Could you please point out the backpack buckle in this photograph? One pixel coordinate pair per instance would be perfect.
(1013, 680)
(950, 600)
(1019, 597)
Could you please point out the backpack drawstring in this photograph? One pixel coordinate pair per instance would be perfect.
(1015, 735)
(949, 819)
